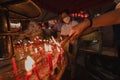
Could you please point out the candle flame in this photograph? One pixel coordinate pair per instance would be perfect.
(25, 44)
(49, 47)
(46, 47)
(18, 42)
(31, 42)
(29, 62)
(36, 50)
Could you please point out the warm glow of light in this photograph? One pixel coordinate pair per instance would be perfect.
(86, 15)
(31, 42)
(73, 14)
(58, 49)
(36, 50)
(29, 62)
(57, 43)
(46, 47)
(76, 14)
(54, 40)
(49, 47)
(79, 14)
(82, 16)
(25, 44)
(15, 25)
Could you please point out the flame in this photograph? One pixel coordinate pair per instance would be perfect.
(36, 50)
(25, 44)
(29, 62)
(49, 47)
(31, 42)
(46, 47)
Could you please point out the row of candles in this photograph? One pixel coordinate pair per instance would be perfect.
(37, 49)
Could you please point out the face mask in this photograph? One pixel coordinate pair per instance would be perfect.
(66, 19)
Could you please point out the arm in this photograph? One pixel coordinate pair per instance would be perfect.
(110, 18)
(107, 19)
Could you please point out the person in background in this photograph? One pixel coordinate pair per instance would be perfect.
(57, 30)
(68, 23)
(32, 31)
(109, 18)
(46, 30)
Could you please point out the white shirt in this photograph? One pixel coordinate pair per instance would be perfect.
(65, 30)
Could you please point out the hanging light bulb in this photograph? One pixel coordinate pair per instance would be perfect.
(85, 15)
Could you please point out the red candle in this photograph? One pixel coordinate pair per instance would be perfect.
(35, 54)
(48, 50)
(59, 59)
(14, 67)
(29, 62)
(50, 61)
(36, 71)
(28, 74)
(59, 55)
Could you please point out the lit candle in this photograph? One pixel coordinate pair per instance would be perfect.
(36, 50)
(36, 53)
(48, 50)
(31, 47)
(59, 55)
(49, 58)
(36, 71)
(15, 67)
(29, 62)
(25, 47)
(29, 66)
(28, 74)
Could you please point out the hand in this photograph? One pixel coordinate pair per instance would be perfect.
(78, 29)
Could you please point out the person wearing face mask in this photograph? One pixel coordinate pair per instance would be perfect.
(68, 23)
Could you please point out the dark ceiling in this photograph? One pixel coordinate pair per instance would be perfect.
(49, 8)
(73, 5)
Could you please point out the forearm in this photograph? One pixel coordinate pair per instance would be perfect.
(107, 19)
